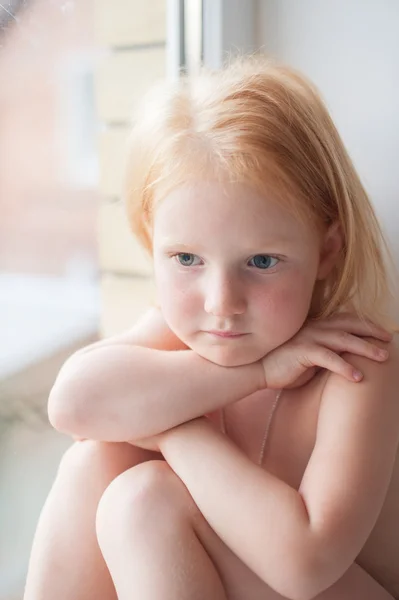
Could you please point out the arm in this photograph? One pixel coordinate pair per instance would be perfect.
(300, 542)
(118, 389)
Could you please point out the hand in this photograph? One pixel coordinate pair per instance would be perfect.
(319, 344)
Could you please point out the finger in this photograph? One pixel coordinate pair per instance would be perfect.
(342, 341)
(351, 323)
(328, 359)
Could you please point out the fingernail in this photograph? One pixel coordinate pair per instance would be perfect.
(383, 353)
(357, 375)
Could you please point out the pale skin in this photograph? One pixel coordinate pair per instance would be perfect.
(205, 550)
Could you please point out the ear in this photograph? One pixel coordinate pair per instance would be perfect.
(330, 248)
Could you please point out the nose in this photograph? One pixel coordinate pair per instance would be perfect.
(224, 296)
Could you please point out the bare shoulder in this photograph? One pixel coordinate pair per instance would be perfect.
(348, 475)
(376, 396)
(376, 372)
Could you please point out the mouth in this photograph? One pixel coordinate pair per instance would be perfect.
(226, 334)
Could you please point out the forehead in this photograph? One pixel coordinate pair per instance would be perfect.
(234, 209)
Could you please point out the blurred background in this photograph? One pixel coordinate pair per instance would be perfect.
(70, 273)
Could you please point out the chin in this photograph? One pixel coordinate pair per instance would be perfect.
(229, 358)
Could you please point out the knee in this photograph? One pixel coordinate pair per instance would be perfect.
(135, 496)
(80, 457)
(139, 486)
(92, 460)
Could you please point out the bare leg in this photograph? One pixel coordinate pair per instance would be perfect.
(355, 584)
(156, 547)
(66, 562)
(145, 528)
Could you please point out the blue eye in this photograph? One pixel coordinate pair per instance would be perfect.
(185, 259)
(263, 261)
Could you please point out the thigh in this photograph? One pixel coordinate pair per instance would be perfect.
(238, 580)
(243, 584)
(154, 489)
(356, 584)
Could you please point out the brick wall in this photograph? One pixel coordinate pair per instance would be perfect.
(135, 35)
(45, 223)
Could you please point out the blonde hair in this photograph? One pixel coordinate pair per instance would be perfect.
(261, 122)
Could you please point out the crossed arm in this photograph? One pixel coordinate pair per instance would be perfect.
(136, 385)
(315, 532)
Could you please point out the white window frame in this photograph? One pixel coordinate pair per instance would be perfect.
(223, 27)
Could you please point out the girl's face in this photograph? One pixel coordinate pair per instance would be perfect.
(229, 260)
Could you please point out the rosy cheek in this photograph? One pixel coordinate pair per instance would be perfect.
(283, 309)
(288, 298)
(176, 297)
(292, 303)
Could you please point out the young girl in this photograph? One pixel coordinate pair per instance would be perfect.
(241, 440)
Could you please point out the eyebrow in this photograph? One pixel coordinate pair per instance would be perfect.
(169, 245)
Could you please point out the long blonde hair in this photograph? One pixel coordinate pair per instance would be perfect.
(261, 122)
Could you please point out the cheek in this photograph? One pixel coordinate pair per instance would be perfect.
(284, 310)
(175, 299)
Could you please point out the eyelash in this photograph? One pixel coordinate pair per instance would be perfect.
(175, 256)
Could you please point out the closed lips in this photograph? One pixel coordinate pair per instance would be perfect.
(226, 333)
